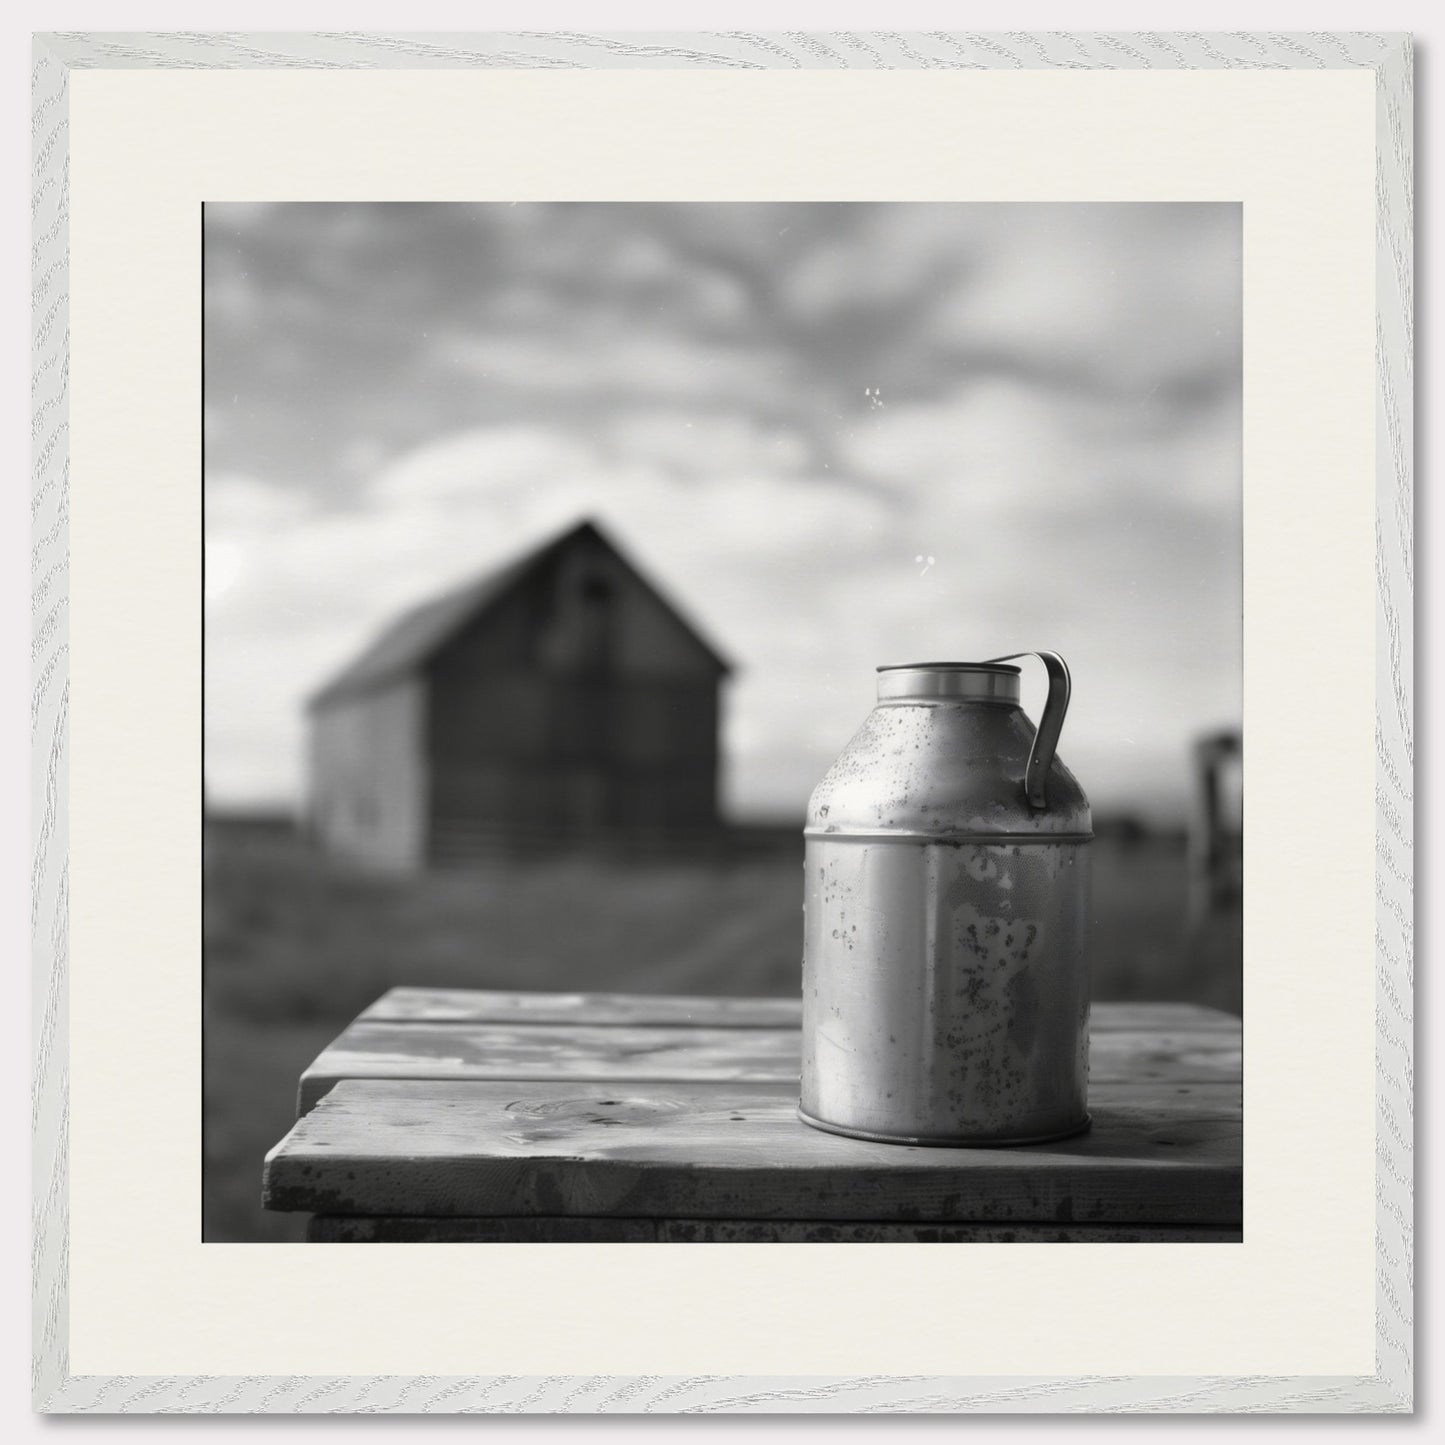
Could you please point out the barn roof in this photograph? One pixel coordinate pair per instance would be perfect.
(419, 633)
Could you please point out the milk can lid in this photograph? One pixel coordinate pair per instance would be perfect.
(960, 681)
(949, 667)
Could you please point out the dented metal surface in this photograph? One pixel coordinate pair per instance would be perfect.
(945, 959)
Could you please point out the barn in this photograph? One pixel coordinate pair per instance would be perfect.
(562, 697)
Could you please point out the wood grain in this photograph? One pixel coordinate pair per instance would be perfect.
(543, 1052)
(485, 1006)
(1156, 1154)
(466, 1005)
(538, 1229)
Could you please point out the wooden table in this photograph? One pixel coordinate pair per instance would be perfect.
(468, 1116)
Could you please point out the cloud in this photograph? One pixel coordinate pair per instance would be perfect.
(232, 297)
(1136, 298)
(837, 435)
(890, 258)
(684, 443)
(244, 505)
(614, 359)
(1006, 442)
(240, 217)
(635, 269)
(495, 461)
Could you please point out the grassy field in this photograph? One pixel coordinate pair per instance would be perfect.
(296, 946)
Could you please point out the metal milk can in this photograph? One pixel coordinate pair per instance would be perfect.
(945, 952)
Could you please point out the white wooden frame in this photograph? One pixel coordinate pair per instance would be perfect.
(1389, 1389)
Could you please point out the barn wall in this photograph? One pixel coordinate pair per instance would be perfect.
(539, 722)
(369, 777)
(557, 752)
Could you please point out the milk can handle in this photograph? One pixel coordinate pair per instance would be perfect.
(1051, 724)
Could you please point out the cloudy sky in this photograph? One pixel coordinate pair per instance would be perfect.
(837, 435)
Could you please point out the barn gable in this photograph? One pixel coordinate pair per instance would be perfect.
(415, 638)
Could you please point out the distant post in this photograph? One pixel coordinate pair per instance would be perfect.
(1216, 848)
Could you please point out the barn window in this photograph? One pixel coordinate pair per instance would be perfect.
(598, 597)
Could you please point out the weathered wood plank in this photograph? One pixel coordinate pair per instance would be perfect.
(465, 1005)
(738, 1151)
(537, 1229)
(478, 1006)
(549, 1052)
(1164, 1017)
(541, 1052)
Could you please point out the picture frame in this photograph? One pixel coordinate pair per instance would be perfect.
(75, 751)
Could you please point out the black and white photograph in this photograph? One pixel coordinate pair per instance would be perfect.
(722, 722)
